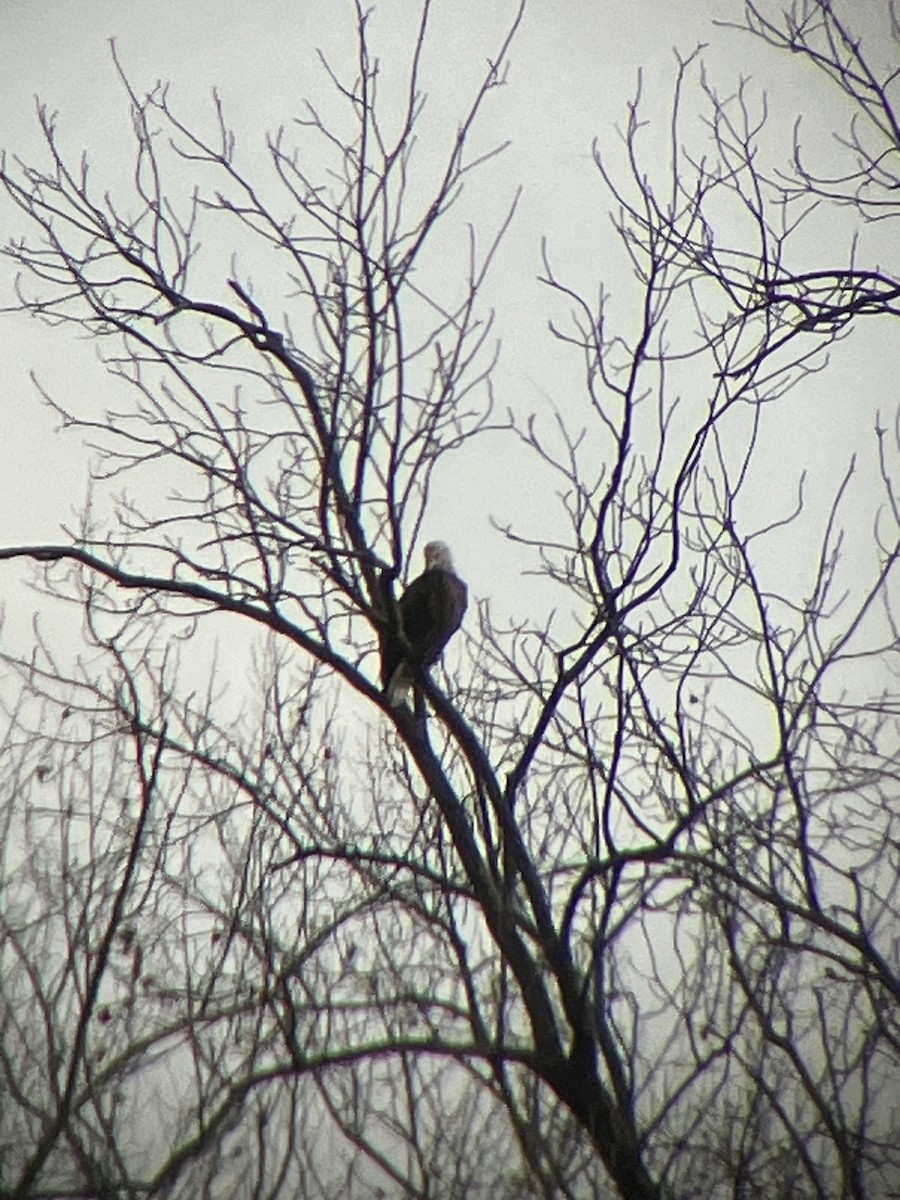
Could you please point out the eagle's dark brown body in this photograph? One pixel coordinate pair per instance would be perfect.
(429, 611)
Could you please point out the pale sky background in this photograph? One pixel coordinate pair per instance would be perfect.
(574, 67)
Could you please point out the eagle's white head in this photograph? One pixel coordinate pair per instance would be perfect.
(437, 554)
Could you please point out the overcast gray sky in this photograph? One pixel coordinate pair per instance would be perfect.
(574, 66)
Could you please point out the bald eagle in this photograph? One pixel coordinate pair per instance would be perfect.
(429, 612)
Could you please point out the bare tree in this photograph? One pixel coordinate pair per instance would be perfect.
(615, 903)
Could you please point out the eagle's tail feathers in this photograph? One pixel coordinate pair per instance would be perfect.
(399, 685)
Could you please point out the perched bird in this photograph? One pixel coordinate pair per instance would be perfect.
(429, 612)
